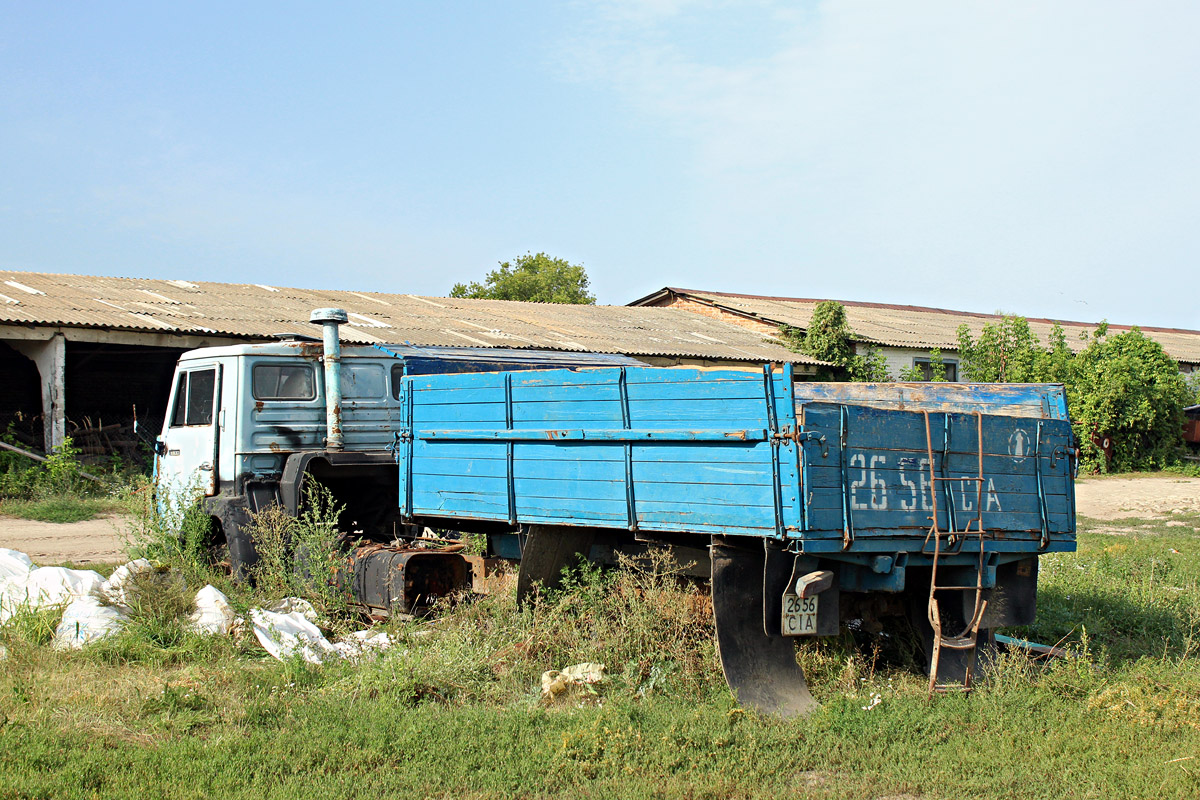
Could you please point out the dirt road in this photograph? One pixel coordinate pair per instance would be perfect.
(96, 541)
(1144, 496)
(102, 540)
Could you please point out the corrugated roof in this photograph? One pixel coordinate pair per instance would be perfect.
(917, 326)
(258, 311)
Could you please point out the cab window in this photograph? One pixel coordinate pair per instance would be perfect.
(397, 380)
(283, 382)
(194, 398)
(363, 381)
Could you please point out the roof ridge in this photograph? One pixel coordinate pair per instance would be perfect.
(932, 309)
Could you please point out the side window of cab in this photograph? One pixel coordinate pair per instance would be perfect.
(283, 382)
(397, 380)
(194, 398)
(363, 382)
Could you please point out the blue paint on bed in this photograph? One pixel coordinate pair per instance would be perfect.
(740, 452)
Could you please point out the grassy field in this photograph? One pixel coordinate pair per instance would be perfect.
(454, 709)
(62, 508)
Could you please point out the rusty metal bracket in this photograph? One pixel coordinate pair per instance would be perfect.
(800, 437)
(1061, 451)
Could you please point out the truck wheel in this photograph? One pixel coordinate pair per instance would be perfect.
(243, 557)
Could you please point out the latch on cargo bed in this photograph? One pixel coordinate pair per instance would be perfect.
(800, 437)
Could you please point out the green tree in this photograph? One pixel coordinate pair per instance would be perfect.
(1012, 353)
(1123, 388)
(532, 278)
(830, 339)
(1127, 389)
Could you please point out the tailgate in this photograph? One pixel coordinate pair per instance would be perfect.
(873, 478)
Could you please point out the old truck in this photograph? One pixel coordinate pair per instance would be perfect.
(810, 506)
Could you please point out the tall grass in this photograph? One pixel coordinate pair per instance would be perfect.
(303, 555)
(57, 490)
(454, 709)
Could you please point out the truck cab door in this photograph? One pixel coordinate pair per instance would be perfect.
(188, 458)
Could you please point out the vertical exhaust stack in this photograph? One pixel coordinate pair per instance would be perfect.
(329, 319)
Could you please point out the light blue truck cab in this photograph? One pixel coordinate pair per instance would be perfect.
(246, 427)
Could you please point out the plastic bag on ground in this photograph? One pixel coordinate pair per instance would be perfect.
(296, 605)
(285, 635)
(84, 621)
(289, 628)
(362, 644)
(45, 586)
(555, 683)
(14, 563)
(213, 615)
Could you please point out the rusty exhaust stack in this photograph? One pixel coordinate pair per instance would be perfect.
(329, 319)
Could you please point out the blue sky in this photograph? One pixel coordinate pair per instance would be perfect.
(1028, 157)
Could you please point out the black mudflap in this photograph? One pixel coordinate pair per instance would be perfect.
(547, 549)
(760, 668)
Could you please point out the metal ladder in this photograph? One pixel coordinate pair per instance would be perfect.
(953, 540)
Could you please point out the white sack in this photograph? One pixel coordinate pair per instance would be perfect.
(285, 635)
(45, 586)
(14, 563)
(85, 620)
(122, 586)
(117, 586)
(213, 615)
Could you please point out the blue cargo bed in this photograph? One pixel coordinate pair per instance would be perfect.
(835, 468)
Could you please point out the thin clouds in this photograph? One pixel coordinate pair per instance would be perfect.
(1021, 136)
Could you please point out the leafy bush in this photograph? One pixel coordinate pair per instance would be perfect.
(302, 555)
(830, 339)
(58, 490)
(171, 528)
(1123, 388)
(1127, 389)
(60, 474)
(1011, 353)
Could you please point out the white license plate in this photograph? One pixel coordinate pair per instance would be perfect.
(799, 615)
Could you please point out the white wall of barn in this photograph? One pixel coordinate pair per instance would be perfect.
(899, 359)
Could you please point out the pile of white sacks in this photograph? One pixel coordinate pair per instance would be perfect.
(94, 608)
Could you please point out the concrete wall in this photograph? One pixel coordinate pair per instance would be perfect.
(899, 359)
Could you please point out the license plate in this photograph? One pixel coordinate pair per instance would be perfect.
(799, 615)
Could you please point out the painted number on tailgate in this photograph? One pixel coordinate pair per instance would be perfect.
(869, 491)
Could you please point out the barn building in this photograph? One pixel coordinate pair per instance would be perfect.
(79, 353)
(904, 335)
